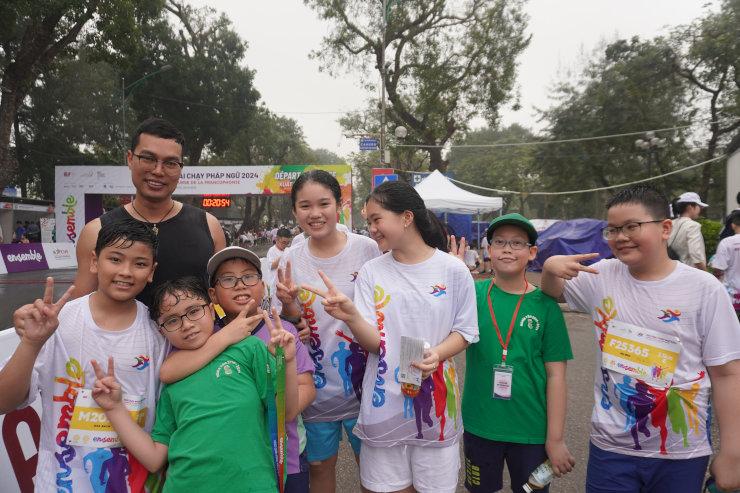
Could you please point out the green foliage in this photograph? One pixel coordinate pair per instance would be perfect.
(710, 231)
(447, 62)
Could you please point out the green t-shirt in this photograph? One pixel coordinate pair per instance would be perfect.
(215, 425)
(539, 336)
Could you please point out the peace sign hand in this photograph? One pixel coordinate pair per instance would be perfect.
(242, 326)
(38, 321)
(457, 250)
(336, 303)
(106, 391)
(279, 337)
(285, 288)
(569, 266)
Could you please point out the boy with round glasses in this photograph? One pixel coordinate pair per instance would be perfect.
(514, 399)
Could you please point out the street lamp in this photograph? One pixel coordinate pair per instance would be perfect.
(130, 88)
(650, 144)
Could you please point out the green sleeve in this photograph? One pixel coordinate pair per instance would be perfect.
(261, 367)
(164, 424)
(556, 342)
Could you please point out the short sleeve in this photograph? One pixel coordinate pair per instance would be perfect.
(721, 260)
(165, 423)
(365, 295)
(556, 342)
(303, 360)
(466, 310)
(579, 290)
(721, 342)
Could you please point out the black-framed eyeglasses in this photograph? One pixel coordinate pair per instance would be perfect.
(170, 166)
(500, 243)
(630, 229)
(229, 282)
(194, 313)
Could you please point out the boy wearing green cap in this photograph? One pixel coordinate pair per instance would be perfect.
(514, 400)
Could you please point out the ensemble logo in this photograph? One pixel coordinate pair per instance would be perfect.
(69, 206)
(532, 322)
(438, 290)
(142, 362)
(29, 256)
(670, 315)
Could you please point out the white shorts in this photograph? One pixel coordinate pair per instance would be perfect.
(429, 469)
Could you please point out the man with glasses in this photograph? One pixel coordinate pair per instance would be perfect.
(188, 236)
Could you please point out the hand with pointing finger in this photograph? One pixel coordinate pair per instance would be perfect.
(285, 288)
(336, 303)
(106, 390)
(39, 321)
(569, 266)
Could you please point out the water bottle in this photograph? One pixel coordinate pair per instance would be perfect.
(711, 487)
(540, 477)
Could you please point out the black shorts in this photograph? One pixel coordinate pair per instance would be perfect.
(484, 463)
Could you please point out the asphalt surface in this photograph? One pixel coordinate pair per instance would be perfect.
(17, 289)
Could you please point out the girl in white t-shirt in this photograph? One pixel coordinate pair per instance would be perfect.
(338, 359)
(409, 433)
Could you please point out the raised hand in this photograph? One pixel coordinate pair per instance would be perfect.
(106, 390)
(279, 337)
(457, 250)
(429, 364)
(336, 303)
(285, 288)
(569, 266)
(38, 321)
(242, 326)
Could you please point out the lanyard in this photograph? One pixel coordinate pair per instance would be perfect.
(276, 416)
(505, 345)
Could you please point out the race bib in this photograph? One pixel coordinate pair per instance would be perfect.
(90, 426)
(640, 353)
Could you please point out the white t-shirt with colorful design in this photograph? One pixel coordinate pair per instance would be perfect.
(630, 416)
(727, 259)
(63, 367)
(428, 300)
(338, 358)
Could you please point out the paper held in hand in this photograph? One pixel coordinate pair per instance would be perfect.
(412, 350)
(643, 354)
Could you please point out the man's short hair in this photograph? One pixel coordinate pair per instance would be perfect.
(158, 127)
(651, 199)
(284, 233)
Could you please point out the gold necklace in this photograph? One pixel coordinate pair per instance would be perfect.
(155, 229)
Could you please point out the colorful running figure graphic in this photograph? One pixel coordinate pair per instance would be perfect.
(114, 470)
(659, 414)
(423, 406)
(341, 355)
(354, 364)
(97, 473)
(453, 392)
(677, 416)
(408, 402)
(689, 399)
(440, 398)
(625, 390)
(643, 404)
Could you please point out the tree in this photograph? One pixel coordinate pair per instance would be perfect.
(630, 86)
(707, 55)
(207, 94)
(33, 34)
(448, 61)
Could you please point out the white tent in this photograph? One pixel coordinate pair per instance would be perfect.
(441, 195)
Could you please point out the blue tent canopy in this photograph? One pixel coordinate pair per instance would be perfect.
(570, 238)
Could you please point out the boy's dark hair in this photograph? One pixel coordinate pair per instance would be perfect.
(184, 287)
(398, 197)
(651, 199)
(124, 232)
(735, 218)
(322, 178)
(157, 127)
(284, 233)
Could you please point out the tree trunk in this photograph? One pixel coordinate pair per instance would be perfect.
(435, 159)
(8, 109)
(252, 212)
(196, 151)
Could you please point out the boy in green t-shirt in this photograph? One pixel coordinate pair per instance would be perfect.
(211, 426)
(514, 400)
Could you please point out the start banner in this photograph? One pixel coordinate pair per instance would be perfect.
(24, 257)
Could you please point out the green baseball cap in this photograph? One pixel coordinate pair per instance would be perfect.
(513, 219)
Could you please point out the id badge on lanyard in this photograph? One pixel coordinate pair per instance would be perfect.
(90, 427)
(503, 374)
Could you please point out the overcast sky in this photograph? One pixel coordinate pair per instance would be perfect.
(281, 33)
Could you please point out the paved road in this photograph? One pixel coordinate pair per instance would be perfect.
(19, 289)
